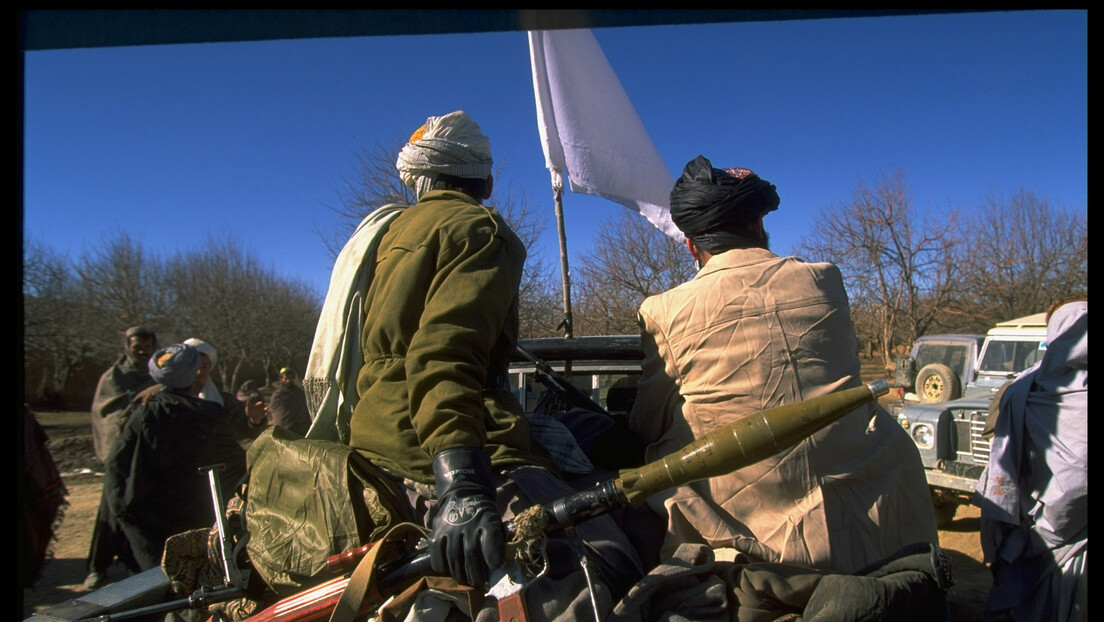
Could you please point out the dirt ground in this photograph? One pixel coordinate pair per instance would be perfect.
(71, 447)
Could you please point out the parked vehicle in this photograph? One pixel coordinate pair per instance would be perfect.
(949, 434)
(604, 368)
(946, 364)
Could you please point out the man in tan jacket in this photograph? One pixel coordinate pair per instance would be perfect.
(752, 331)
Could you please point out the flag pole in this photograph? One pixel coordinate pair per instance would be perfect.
(567, 324)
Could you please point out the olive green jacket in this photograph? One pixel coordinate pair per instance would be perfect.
(441, 326)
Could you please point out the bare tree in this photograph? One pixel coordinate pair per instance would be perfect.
(900, 273)
(254, 318)
(219, 293)
(55, 342)
(122, 284)
(1025, 254)
(374, 183)
(630, 261)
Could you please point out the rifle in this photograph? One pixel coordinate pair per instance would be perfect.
(554, 381)
(234, 578)
(726, 449)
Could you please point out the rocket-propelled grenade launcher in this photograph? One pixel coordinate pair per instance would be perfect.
(724, 450)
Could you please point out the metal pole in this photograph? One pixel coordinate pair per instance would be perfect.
(569, 330)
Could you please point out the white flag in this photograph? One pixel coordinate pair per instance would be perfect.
(590, 131)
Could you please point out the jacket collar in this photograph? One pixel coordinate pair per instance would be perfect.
(736, 258)
(451, 195)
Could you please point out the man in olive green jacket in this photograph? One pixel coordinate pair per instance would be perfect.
(440, 328)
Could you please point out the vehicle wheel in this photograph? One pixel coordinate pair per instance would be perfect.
(937, 383)
(944, 510)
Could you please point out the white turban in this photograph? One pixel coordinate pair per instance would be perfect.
(450, 145)
(204, 348)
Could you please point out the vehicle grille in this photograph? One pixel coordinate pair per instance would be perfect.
(972, 446)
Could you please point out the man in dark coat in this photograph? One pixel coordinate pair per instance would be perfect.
(288, 404)
(153, 469)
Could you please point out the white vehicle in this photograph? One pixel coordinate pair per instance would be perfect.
(950, 435)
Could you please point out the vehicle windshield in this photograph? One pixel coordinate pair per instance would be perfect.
(953, 356)
(1011, 356)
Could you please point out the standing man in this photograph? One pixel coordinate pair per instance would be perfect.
(288, 404)
(209, 391)
(753, 331)
(439, 329)
(117, 387)
(152, 480)
(114, 394)
(1034, 494)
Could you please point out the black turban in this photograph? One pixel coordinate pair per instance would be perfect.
(707, 201)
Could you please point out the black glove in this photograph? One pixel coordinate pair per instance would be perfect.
(467, 540)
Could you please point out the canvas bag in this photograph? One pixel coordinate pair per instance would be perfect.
(308, 500)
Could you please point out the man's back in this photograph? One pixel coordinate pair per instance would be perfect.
(441, 325)
(154, 468)
(750, 332)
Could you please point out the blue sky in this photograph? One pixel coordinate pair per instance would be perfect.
(174, 144)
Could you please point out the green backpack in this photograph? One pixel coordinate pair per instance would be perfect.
(308, 500)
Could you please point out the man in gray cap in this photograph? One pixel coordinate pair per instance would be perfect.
(155, 487)
(440, 326)
(751, 331)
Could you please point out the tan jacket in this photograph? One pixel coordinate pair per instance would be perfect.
(441, 326)
(752, 331)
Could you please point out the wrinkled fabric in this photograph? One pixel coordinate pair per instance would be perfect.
(44, 499)
(152, 481)
(309, 500)
(116, 392)
(753, 331)
(557, 439)
(440, 328)
(452, 144)
(684, 586)
(707, 201)
(1034, 492)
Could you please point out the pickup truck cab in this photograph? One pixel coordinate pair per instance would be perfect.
(603, 368)
(949, 434)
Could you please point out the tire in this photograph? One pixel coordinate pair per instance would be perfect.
(944, 510)
(937, 383)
